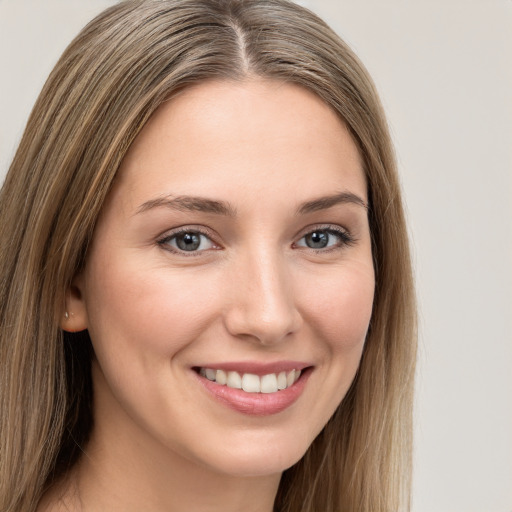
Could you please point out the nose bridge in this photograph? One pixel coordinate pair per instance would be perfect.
(263, 305)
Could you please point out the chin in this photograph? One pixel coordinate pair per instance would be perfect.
(258, 459)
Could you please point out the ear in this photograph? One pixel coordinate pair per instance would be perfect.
(74, 318)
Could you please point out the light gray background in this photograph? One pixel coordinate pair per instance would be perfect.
(444, 71)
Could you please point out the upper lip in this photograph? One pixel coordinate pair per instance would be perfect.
(256, 368)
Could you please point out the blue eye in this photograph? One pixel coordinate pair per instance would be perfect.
(324, 239)
(188, 241)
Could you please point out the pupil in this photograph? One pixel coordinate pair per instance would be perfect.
(188, 241)
(317, 240)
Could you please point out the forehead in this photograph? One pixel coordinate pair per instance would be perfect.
(222, 136)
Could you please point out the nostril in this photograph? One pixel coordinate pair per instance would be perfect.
(262, 325)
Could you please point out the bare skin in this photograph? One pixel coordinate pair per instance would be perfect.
(236, 233)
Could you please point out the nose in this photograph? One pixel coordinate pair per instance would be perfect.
(261, 305)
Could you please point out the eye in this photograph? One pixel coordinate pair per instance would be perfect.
(325, 238)
(187, 241)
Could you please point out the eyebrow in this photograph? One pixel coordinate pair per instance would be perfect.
(189, 204)
(323, 203)
(205, 205)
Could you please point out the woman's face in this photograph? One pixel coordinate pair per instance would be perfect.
(234, 246)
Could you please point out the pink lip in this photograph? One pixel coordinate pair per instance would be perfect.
(256, 404)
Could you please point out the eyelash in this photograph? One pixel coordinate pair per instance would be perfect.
(345, 239)
(164, 242)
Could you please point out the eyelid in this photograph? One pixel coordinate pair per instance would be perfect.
(346, 238)
(201, 230)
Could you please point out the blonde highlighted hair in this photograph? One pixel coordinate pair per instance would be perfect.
(105, 87)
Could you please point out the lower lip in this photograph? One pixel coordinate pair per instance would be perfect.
(256, 404)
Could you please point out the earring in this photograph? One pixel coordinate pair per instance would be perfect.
(66, 315)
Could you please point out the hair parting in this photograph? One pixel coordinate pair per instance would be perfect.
(122, 66)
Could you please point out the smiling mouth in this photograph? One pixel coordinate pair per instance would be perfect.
(250, 382)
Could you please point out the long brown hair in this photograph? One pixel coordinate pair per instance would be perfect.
(109, 81)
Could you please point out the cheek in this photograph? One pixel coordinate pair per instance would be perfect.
(341, 307)
(152, 311)
(338, 308)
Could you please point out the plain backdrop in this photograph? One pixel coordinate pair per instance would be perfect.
(444, 71)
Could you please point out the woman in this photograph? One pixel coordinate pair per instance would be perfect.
(206, 288)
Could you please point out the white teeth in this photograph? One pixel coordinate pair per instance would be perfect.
(251, 383)
(281, 381)
(234, 380)
(221, 377)
(268, 383)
